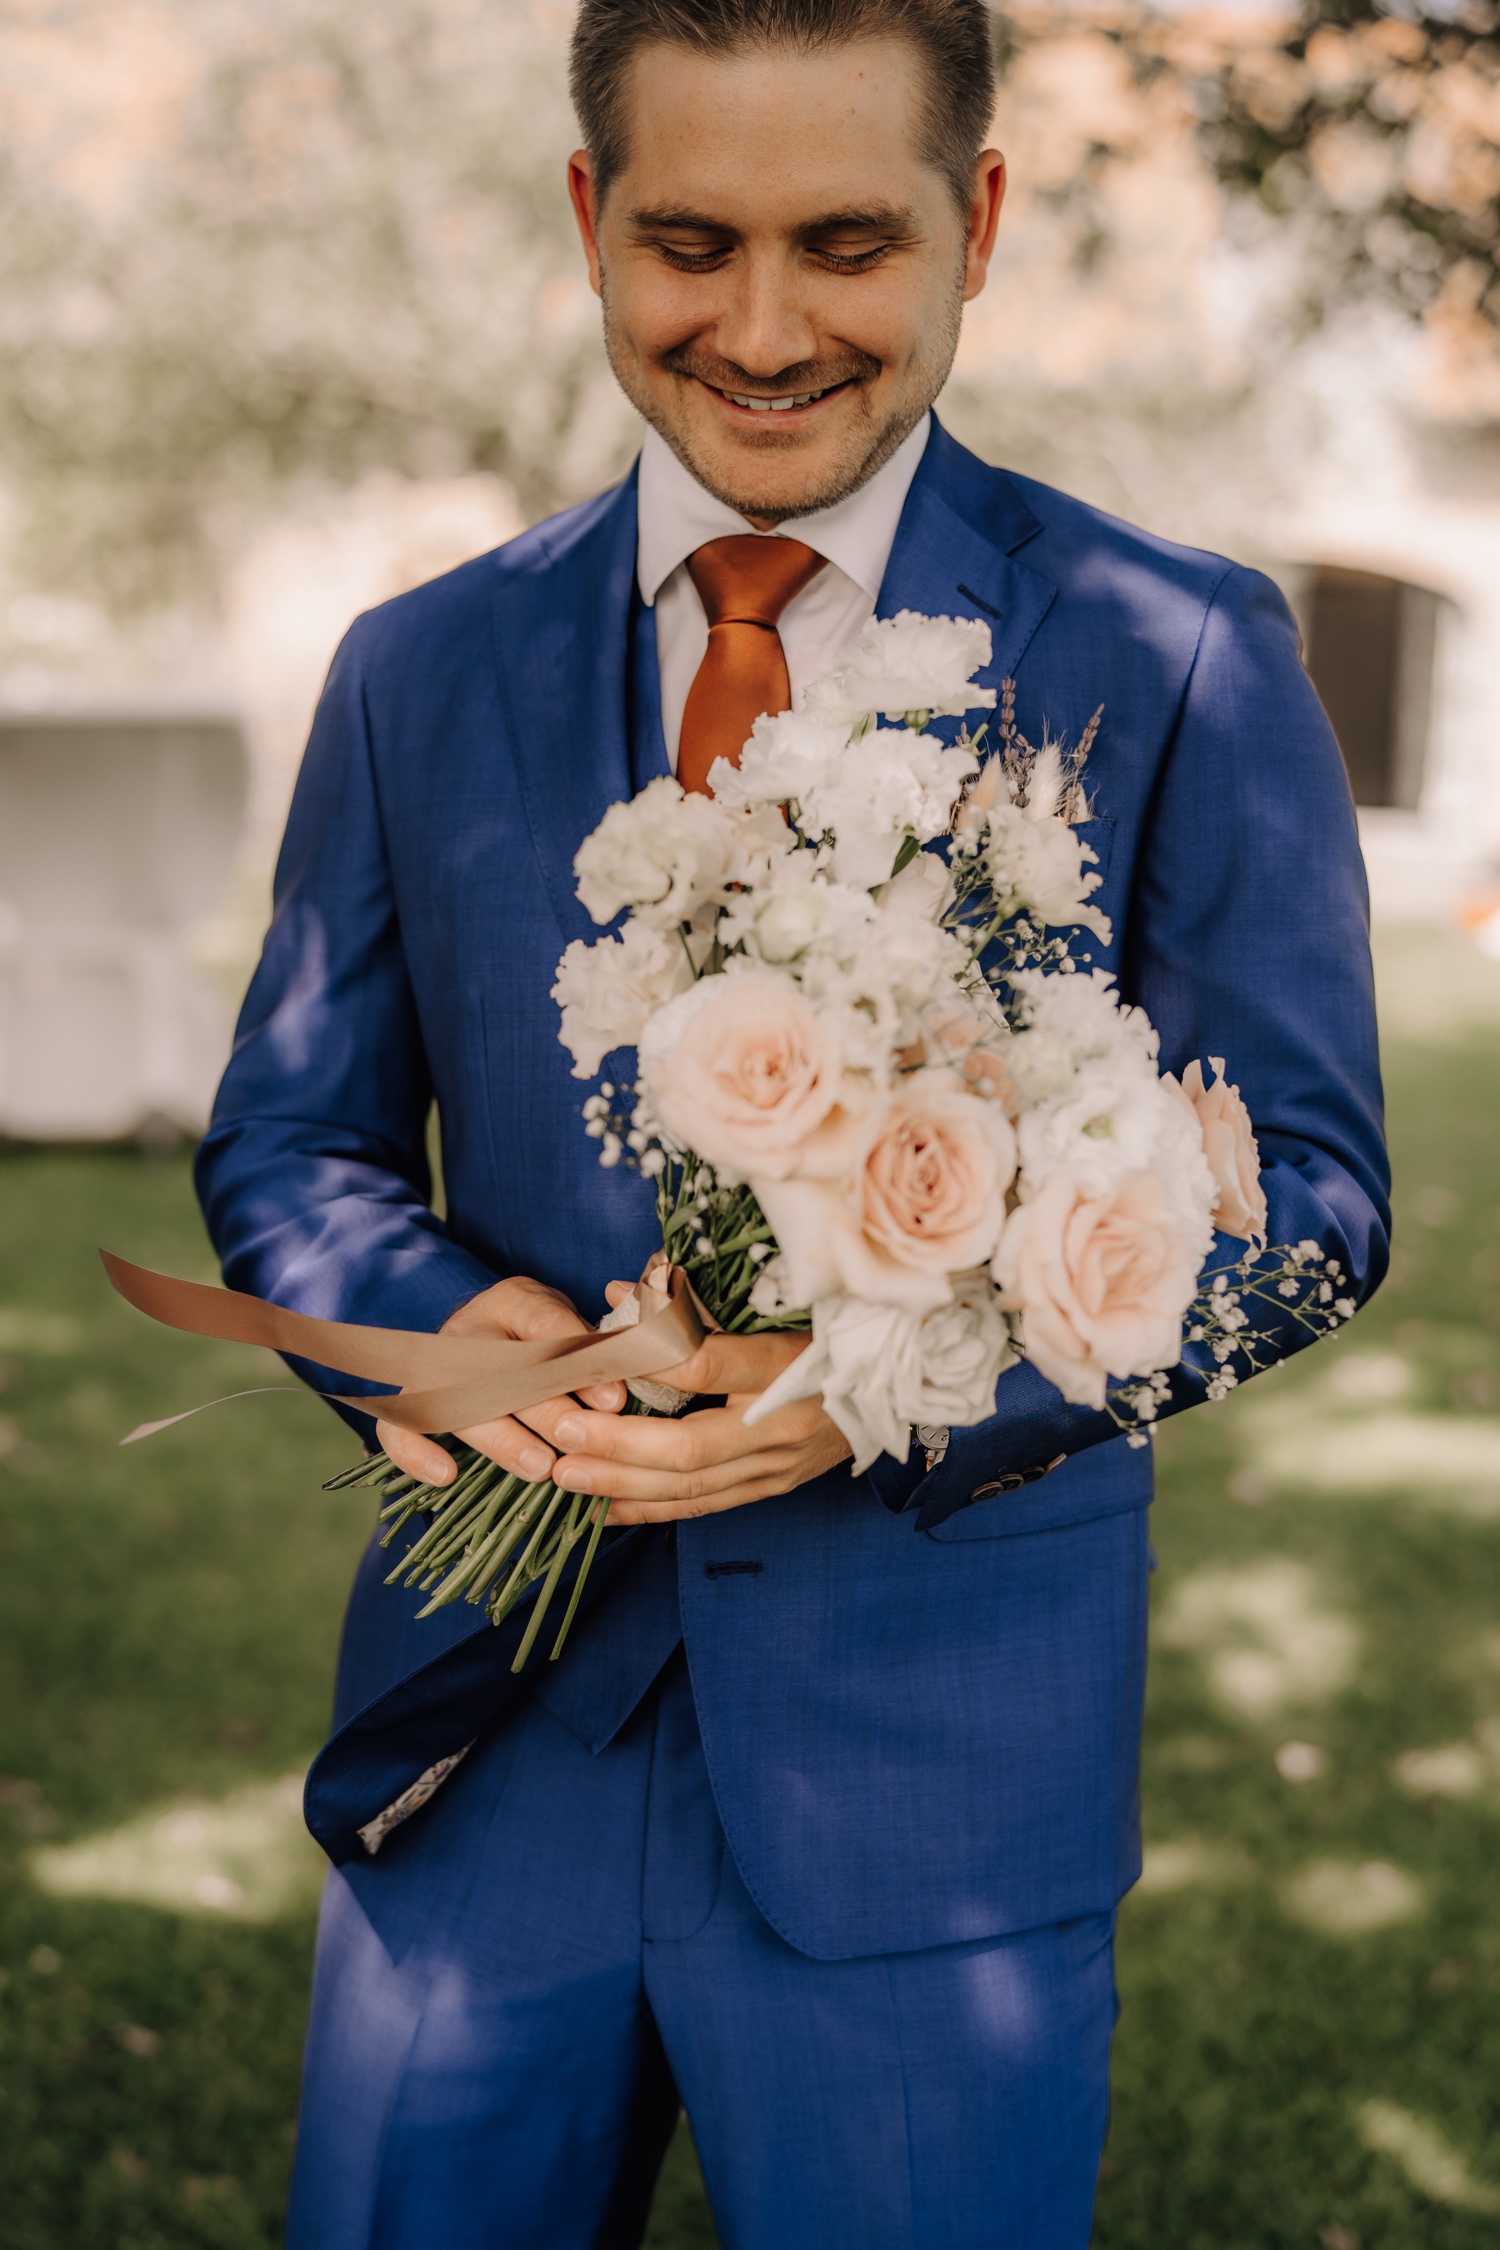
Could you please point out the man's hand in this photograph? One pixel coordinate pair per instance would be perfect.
(522, 1444)
(655, 1471)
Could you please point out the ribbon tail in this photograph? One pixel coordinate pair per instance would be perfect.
(170, 1421)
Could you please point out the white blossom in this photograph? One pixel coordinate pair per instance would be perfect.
(665, 854)
(1072, 1021)
(879, 986)
(890, 785)
(923, 887)
(907, 664)
(788, 754)
(608, 992)
(797, 912)
(1111, 1120)
(1036, 865)
(880, 1369)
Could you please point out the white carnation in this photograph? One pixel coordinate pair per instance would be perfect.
(1036, 865)
(607, 992)
(880, 1369)
(664, 854)
(788, 754)
(1095, 1108)
(888, 786)
(878, 986)
(907, 663)
(1070, 1022)
(762, 849)
(1112, 1119)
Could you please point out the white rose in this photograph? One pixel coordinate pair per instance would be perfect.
(907, 663)
(962, 1351)
(923, 887)
(879, 1369)
(608, 991)
(790, 923)
(664, 854)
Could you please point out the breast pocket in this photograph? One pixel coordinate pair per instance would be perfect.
(1099, 835)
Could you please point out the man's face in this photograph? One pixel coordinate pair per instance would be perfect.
(783, 274)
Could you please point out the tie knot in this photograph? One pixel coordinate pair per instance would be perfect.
(748, 579)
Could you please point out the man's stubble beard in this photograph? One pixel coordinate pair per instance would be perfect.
(836, 482)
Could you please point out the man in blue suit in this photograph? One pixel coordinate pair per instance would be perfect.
(820, 1824)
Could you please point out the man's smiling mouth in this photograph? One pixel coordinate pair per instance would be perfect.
(778, 405)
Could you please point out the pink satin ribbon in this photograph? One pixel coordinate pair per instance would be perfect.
(447, 1382)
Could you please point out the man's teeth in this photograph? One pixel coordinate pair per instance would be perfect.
(771, 405)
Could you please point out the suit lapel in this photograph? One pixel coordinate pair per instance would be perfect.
(562, 623)
(953, 553)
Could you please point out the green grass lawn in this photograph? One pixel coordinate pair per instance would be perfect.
(1310, 2045)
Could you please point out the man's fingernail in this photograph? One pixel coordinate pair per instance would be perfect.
(534, 1462)
(571, 1433)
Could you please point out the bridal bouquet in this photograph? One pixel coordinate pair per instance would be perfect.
(884, 1100)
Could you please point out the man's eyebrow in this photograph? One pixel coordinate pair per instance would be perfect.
(676, 217)
(870, 218)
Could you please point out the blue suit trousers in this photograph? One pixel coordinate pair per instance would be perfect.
(512, 2000)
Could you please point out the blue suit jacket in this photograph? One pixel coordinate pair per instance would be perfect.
(921, 1712)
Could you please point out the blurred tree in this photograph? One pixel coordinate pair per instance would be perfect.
(1370, 132)
(339, 240)
(1382, 126)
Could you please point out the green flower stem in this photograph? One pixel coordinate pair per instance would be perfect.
(565, 1545)
(600, 1512)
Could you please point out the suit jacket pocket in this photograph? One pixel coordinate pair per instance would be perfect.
(1099, 835)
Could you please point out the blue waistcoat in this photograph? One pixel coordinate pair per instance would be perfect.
(920, 1708)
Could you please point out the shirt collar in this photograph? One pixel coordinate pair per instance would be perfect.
(676, 516)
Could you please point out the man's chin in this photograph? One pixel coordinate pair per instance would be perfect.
(778, 475)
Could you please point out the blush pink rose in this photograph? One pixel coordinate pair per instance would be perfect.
(741, 1071)
(1101, 1283)
(930, 1190)
(1233, 1157)
(920, 1198)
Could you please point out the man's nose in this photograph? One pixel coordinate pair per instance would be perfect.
(764, 325)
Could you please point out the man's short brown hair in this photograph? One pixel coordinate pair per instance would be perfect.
(952, 37)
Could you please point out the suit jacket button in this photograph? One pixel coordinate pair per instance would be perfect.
(1014, 1480)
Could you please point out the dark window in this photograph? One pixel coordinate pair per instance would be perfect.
(1369, 651)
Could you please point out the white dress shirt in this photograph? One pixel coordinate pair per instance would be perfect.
(677, 516)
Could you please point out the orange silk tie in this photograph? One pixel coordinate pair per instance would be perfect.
(744, 582)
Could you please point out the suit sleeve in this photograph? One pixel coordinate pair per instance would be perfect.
(1247, 936)
(313, 1175)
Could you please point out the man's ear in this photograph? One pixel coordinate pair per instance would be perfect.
(984, 218)
(585, 209)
